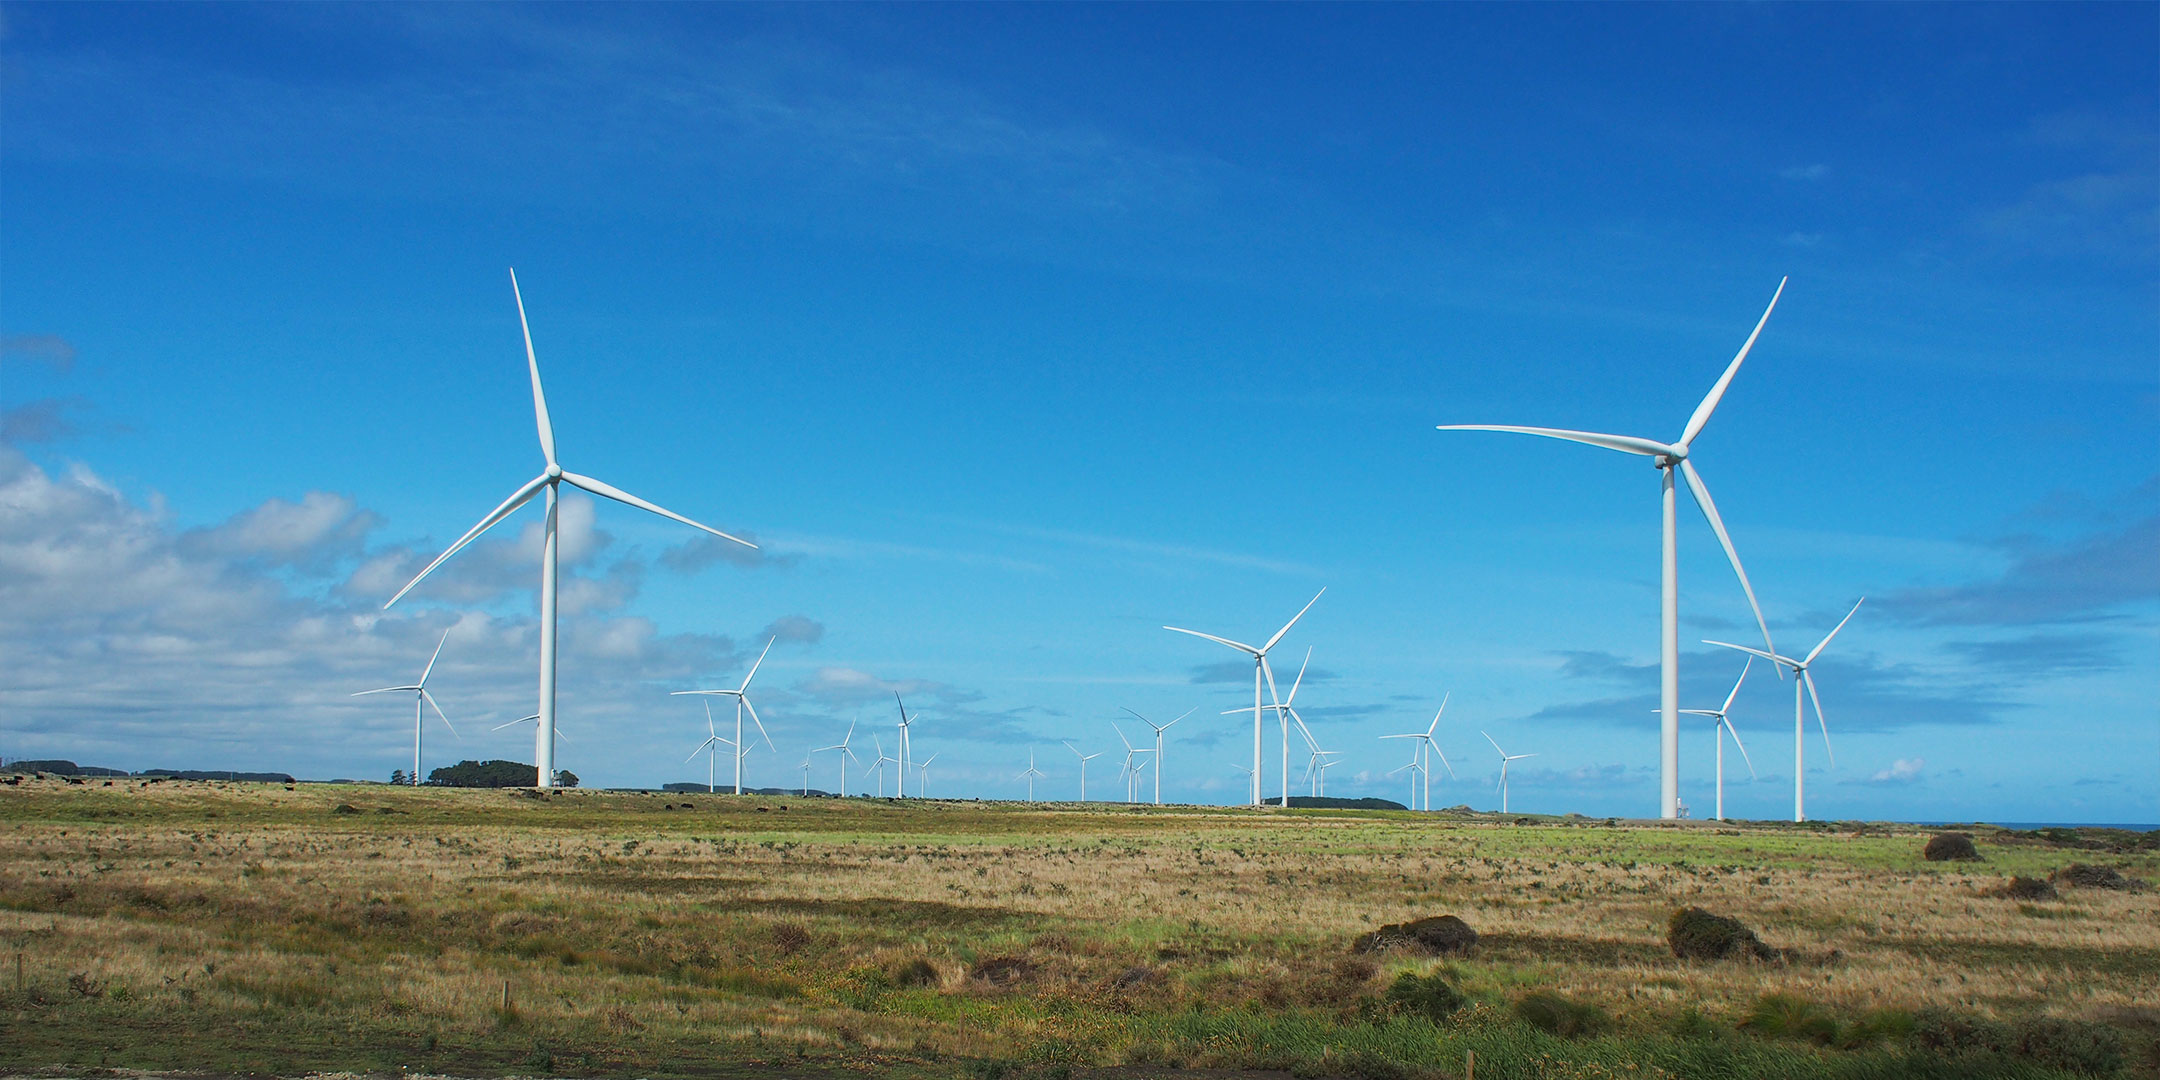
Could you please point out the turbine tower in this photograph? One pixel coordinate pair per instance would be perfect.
(1159, 729)
(1130, 771)
(1801, 678)
(1719, 727)
(741, 694)
(1671, 458)
(711, 749)
(420, 696)
(553, 477)
(905, 740)
(1505, 757)
(1260, 670)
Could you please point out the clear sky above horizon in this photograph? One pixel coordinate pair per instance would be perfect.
(1015, 332)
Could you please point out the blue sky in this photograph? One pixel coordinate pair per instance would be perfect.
(1013, 333)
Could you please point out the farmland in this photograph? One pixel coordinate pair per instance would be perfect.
(260, 928)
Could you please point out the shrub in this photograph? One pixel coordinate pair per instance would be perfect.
(1697, 934)
(1949, 1032)
(1788, 1016)
(1437, 934)
(2086, 876)
(2072, 1045)
(2030, 888)
(1951, 847)
(916, 972)
(1882, 1025)
(789, 937)
(1557, 1015)
(1429, 996)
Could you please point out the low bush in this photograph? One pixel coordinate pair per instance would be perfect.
(1556, 1015)
(1428, 996)
(2030, 888)
(912, 973)
(2087, 876)
(1951, 847)
(2072, 1045)
(1695, 934)
(1951, 1032)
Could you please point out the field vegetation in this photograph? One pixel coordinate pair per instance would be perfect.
(284, 929)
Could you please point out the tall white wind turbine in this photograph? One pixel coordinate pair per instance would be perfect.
(1416, 768)
(1030, 775)
(1670, 458)
(1084, 759)
(741, 694)
(1718, 729)
(906, 738)
(1131, 771)
(1159, 729)
(711, 749)
(922, 777)
(1425, 744)
(1801, 678)
(879, 745)
(1260, 670)
(420, 697)
(546, 483)
(1505, 757)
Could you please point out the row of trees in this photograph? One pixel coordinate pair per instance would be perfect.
(484, 774)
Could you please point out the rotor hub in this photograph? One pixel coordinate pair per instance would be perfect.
(554, 471)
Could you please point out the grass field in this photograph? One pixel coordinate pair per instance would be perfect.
(255, 928)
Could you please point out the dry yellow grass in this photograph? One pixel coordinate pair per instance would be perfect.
(618, 925)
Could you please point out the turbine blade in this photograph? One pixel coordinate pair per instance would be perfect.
(430, 699)
(1735, 732)
(387, 690)
(1300, 680)
(700, 749)
(1751, 652)
(1736, 687)
(1495, 745)
(1717, 525)
(540, 409)
(760, 725)
(1626, 444)
(1436, 716)
(512, 723)
(1709, 404)
(1238, 645)
(760, 662)
(1180, 716)
(1293, 619)
(426, 671)
(1833, 632)
(1443, 759)
(1809, 679)
(516, 499)
(610, 491)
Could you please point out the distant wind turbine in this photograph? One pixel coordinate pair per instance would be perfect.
(1416, 767)
(1801, 678)
(547, 482)
(711, 749)
(905, 722)
(1159, 729)
(1030, 775)
(1426, 744)
(420, 696)
(1260, 671)
(741, 694)
(1670, 458)
(1718, 729)
(1505, 757)
(845, 754)
(922, 777)
(1131, 771)
(1084, 759)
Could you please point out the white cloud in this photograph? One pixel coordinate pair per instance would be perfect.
(1901, 771)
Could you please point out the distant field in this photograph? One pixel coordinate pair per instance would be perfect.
(251, 928)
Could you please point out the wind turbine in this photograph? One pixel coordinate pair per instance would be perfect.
(1260, 670)
(1718, 730)
(1416, 766)
(1030, 775)
(806, 776)
(1424, 743)
(1323, 764)
(529, 718)
(420, 696)
(881, 760)
(1505, 757)
(1671, 458)
(741, 694)
(1159, 729)
(711, 749)
(922, 777)
(547, 482)
(845, 754)
(905, 739)
(1130, 771)
(1084, 759)
(1801, 678)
